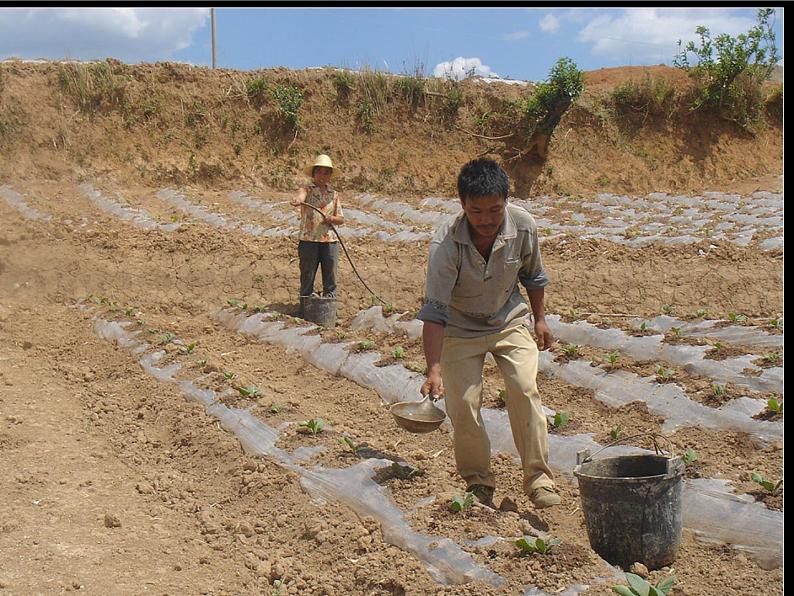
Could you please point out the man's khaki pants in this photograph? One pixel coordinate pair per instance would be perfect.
(516, 354)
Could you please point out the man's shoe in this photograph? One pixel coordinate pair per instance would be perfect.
(483, 493)
(544, 496)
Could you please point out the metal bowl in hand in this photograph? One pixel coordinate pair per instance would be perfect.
(417, 416)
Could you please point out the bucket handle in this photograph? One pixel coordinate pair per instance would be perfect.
(584, 456)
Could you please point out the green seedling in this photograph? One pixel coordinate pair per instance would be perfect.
(236, 303)
(574, 314)
(388, 308)
(503, 396)
(690, 456)
(366, 344)
(538, 545)
(315, 425)
(398, 352)
(776, 323)
(275, 408)
(718, 345)
(166, 337)
(229, 375)
(772, 357)
(675, 331)
(296, 320)
(413, 366)
(774, 405)
(250, 391)
(644, 326)
(130, 312)
(340, 334)
(616, 431)
(668, 309)
(639, 587)
(571, 350)
(612, 357)
(188, 349)
(771, 487)
(717, 390)
(560, 419)
(700, 313)
(202, 363)
(737, 318)
(462, 503)
(350, 444)
(663, 375)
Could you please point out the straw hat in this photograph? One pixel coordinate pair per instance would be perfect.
(321, 160)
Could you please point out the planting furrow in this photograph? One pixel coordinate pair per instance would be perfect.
(354, 486)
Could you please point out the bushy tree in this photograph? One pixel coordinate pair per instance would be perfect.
(730, 70)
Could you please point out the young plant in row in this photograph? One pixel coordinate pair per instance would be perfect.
(737, 318)
(774, 406)
(250, 391)
(690, 456)
(559, 419)
(348, 442)
(663, 374)
(571, 350)
(616, 431)
(639, 587)
(462, 503)
(537, 545)
(771, 487)
(315, 425)
(611, 359)
(398, 352)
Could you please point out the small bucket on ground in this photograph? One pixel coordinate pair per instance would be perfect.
(632, 507)
(319, 309)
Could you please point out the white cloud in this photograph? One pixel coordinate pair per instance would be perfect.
(460, 68)
(517, 35)
(128, 34)
(651, 34)
(549, 24)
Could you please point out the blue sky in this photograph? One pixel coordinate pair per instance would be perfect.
(510, 42)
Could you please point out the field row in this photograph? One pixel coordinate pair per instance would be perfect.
(667, 220)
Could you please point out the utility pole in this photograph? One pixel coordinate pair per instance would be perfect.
(212, 18)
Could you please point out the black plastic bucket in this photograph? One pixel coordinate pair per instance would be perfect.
(632, 507)
(319, 309)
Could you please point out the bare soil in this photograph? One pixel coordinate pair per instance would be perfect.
(115, 484)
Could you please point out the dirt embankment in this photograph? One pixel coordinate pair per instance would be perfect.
(176, 124)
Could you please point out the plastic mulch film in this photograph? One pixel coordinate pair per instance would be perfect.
(692, 358)
(175, 199)
(446, 562)
(399, 233)
(738, 334)
(619, 387)
(139, 217)
(17, 201)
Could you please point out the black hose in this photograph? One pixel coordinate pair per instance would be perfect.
(346, 253)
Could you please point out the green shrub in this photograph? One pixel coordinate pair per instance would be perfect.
(656, 97)
(288, 100)
(256, 88)
(93, 86)
(563, 86)
(729, 71)
(411, 89)
(366, 115)
(343, 82)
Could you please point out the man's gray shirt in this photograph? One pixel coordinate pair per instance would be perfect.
(472, 297)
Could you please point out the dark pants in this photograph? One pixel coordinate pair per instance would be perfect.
(312, 255)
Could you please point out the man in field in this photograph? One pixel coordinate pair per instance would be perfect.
(472, 306)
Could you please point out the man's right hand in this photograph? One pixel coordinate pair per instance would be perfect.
(434, 385)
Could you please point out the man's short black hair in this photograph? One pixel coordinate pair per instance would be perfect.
(482, 177)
